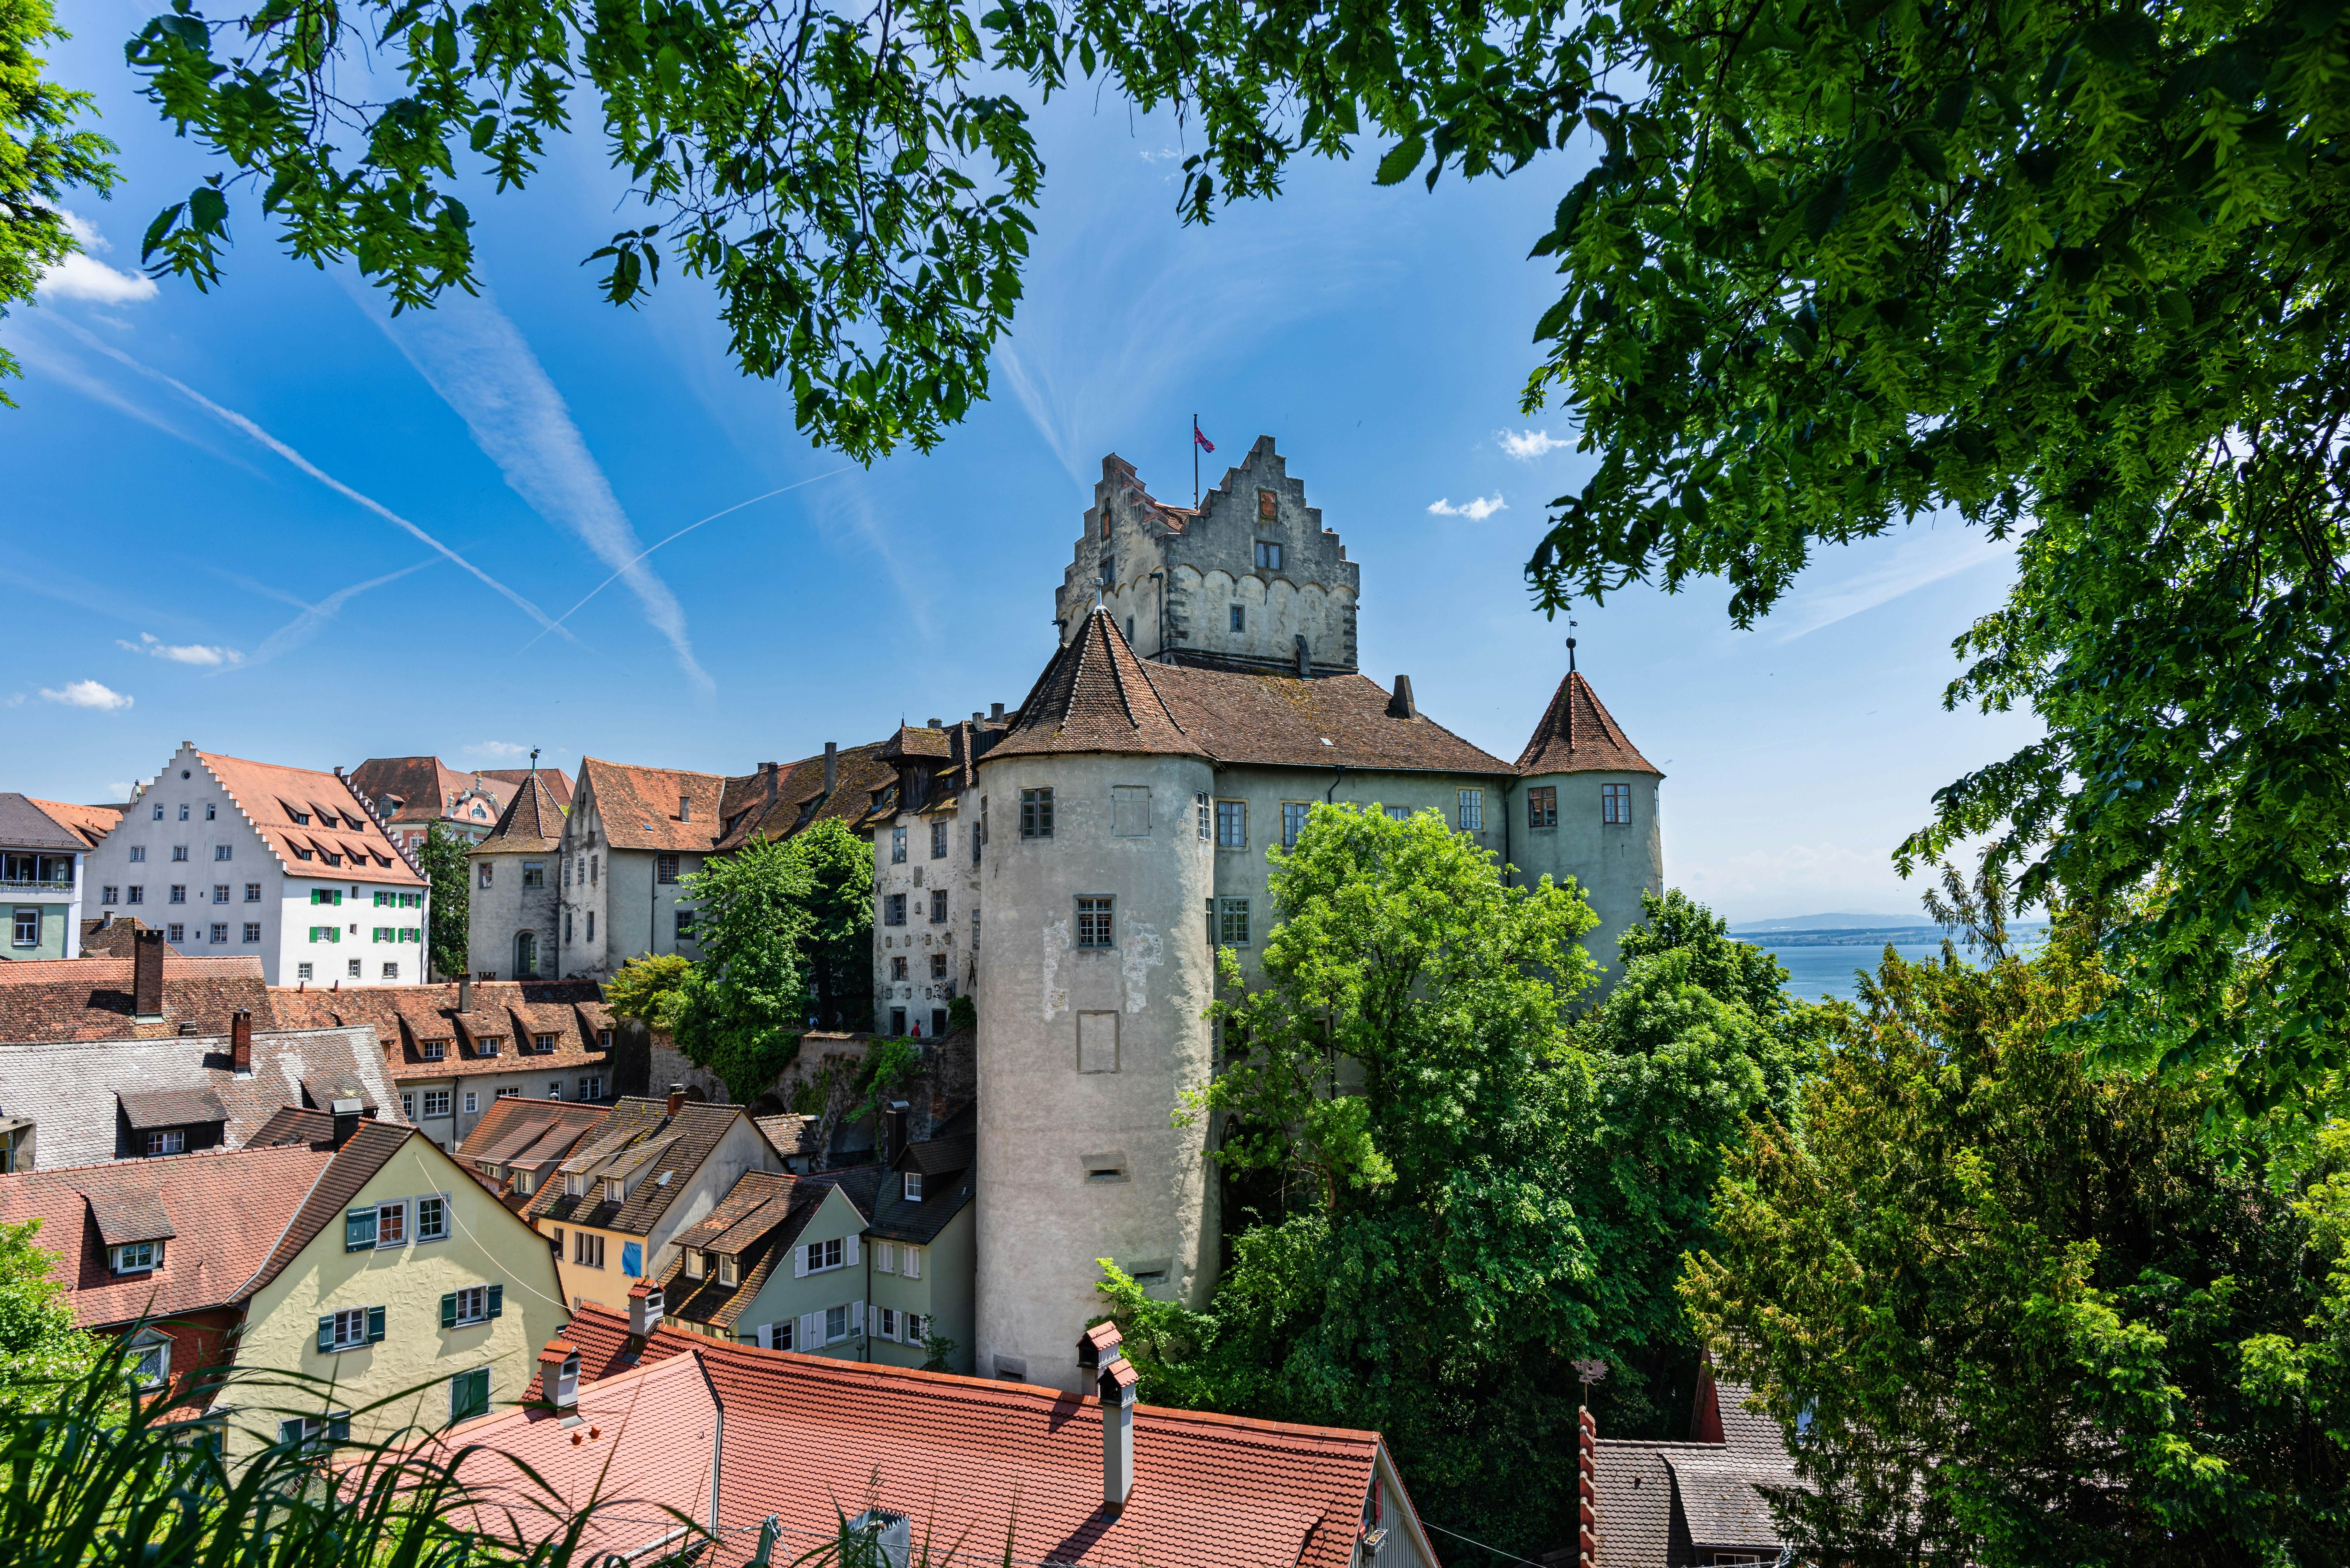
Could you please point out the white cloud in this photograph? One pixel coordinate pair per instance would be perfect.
(183, 653)
(498, 750)
(88, 694)
(1528, 445)
(1476, 509)
(120, 790)
(1160, 154)
(84, 277)
(15, 700)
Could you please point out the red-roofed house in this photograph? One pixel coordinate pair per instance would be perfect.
(288, 865)
(411, 794)
(1002, 1469)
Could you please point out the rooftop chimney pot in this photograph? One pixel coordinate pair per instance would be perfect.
(676, 1099)
(464, 994)
(239, 1043)
(684, 808)
(147, 977)
(1400, 706)
(831, 766)
(995, 711)
(346, 1123)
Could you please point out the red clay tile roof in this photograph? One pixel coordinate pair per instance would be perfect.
(513, 1011)
(991, 1463)
(638, 806)
(622, 1142)
(425, 786)
(558, 781)
(228, 1209)
(525, 1134)
(353, 1165)
(531, 821)
(1577, 735)
(117, 937)
(778, 802)
(1096, 696)
(340, 823)
(88, 823)
(48, 999)
(1283, 721)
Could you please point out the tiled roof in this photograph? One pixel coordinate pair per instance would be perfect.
(294, 1125)
(1657, 1500)
(793, 1135)
(1008, 1469)
(425, 786)
(1577, 735)
(227, 1211)
(26, 823)
(1281, 720)
(531, 823)
(341, 837)
(944, 1196)
(525, 1133)
(512, 1011)
(638, 806)
(558, 781)
(1096, 696)
(171, 1107)
(781, 800)
(354, 1164)
(69, 1088)
(88, 823)
(939, 1156)
(755, 1224)
(48, 999)
(917, 741)
(686, 1140)
(116, 938)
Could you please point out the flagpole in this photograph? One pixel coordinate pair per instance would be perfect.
(1195, 463)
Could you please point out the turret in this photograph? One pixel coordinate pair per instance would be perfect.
(1586, 806)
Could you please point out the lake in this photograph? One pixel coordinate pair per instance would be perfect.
(1818, 969)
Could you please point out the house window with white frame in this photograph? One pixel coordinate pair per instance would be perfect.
(432, 1219)
(913, 1186)
(823, 1255)
(436, 1103)
(170, 1140)
(135, 1257)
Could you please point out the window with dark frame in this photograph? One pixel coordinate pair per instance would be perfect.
(1232, 926)
(1268, 555)
(896, 847)
(938, 966)
(1239, 618)
(1232, 824)
(938, 906)
(1036, 813)
(665, 869)
(938, 841)
(1473, 811)
(1294, 814)
(1616, 805)
(893, 909)
(1095, 925)
(1541, 806)
(897, 971)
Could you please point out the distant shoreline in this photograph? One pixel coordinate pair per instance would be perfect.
(1870, 936)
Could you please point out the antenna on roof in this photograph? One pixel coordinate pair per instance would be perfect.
(1571, 624)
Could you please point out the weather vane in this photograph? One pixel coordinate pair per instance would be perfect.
(1571, 624)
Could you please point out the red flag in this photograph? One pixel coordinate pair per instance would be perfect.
(1202, 439)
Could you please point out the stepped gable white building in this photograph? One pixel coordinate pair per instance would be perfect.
(231, 856)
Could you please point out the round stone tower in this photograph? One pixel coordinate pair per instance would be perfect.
(1585, 806)
(1097, 874)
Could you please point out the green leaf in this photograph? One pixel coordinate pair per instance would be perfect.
(1402, 160)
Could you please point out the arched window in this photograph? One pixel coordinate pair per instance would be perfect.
(525, 955)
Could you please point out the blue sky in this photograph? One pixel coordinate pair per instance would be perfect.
(277, 523)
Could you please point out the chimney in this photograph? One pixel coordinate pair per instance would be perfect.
(1305, 664)
(147, 977)
(347, 1120)
(1400, 706)
(558, 1377)
(831, 767)
(676, 1099)
(893, 1132)
(239, 1043)
(1588, 1506)
(932, 724)
(464, 994)
(995, 712)
(644, 1308)
(1113, 1378)
(684, 808)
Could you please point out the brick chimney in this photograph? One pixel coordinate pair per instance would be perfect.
(239, 1043)
(1101, 1360)
(831, 767)
(147, 977)
(676, 1099)
(558, 1376)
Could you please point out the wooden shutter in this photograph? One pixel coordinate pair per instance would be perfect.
(812, 1331)
(375, 1324)
(326, 1332)
(449, 1310)
(799, 1263)
(497, 1300)
(852, 1248)
(857, 1317)
(358, 1229)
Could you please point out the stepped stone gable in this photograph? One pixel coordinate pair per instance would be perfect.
(1211, 565)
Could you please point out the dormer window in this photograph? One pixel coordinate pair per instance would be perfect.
(693, 1262)
(575, 1186)
(913, 1186)
(730, 1270)
(167, 1140)
(487, 1044)
(545, 1043)
(615, 1191)
(301, 819)
(432, 1050)
(135, 1257)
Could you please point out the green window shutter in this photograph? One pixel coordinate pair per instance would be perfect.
(375, 1324)
(359, 1230)
(449, 1310)
(326, 1332)
(497, 1300)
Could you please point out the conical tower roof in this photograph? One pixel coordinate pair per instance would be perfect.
(532, 820)
(1577, 735)
(1096, 696)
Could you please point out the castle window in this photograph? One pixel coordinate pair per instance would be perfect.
(1108, 570)
(1130, 811)
(1616, 805)
(1036, 814)
(938, 841)
(1093, 922)
(893, 909)
(534, 873)
(1232, 928)
(1268, 504)
(1232, 824)
(1239, 618)
(1473, 811)
(938, 966)
(482, 874)
(977, 838)
(1268, 555)
(665, 869)
(938, 906)
(896, 847)
(1294, 814)
(1541, 806)
(897, 968)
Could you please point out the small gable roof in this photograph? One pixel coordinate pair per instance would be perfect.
(1579, 736)
(531, 821)
(637, 807)
(88, 823)
(639, 1136)
(28, 823)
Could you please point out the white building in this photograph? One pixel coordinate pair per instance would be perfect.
(288, 865)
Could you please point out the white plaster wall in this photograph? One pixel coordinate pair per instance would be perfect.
(497, 914)
(1041, 1223)
(919, 939)
(1275, 612)
(1614, 863)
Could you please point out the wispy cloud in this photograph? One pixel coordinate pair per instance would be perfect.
(485, 369)
(31, 350)
(235, 420)
(84, 277)
(1925, 558)
(497, 751)
(88, 694)
(182, 653)
(1528, 445)
(314, 617)
(1476, 509)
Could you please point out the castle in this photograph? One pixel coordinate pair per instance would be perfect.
(1075, 864)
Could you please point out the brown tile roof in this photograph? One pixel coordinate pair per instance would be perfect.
(512, 1012)
(228, 1210)
(1096, 696)
(1002, 1466)
(917, 741)
(755, 1224)
(294, 1125)
(637, 807)
(1332, 722)
(781, 800)
(558, 781)
(354, 1164)
(341, 836)
(531, 823)
(171, 1107)
(29, 824)
(792, 1135)
(1577, 735)
(525, 1135)
(50, 1000)
(425, 786)
(117, 937)
(88, 823)
(622, 1144)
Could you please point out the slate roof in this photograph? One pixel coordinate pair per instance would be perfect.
(988, 1462)
(531, 823)
(512, 1011)
(290, 1125)
(24, 823)
(947, 1186)
(341, 837)
(558, 781)
(1095, 695)
(1660, 1505)
(636, 807)
(48, 999)
(525, 1133)
(71, 1089)
(234, 1217)
(88, 823)
(793, 1135)
(755, 1223)
(117, 937)
(620, 1143)
(1579, 736)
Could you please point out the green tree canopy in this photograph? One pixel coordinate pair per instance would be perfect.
(40, 1346)
(449, 928)
(647, 987)
(837, 945)
(2019, 1313)
(742, 1006)
(41, 158)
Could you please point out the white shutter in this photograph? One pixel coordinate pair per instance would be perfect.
(857, 1317)
(852, 1248)
(812, 1331)
(766, 1336)
(913, 1266)
(799, 1263)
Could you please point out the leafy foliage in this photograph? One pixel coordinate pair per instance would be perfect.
(2031, 1315)
(811, 164)
(41, 158)
(40, 1346)
(740, 1009)
(837, 946)
(449, 926)
(647, 987)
